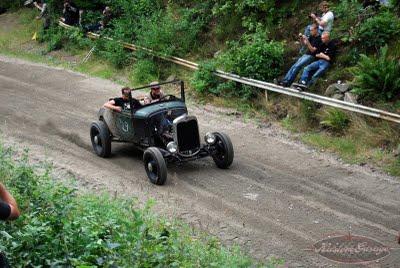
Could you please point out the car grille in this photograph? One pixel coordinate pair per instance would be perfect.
(188, 136)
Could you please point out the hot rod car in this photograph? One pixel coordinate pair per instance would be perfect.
(163, 130)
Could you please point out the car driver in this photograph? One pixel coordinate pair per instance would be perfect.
(155, 93)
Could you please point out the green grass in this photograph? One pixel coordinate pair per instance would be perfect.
(354, 151)
(348, 149)
(63, 226)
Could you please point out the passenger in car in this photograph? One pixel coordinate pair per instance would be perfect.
(121, 103)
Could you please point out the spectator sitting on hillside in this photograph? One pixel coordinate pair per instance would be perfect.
(71, 14)
(44, 14)
(106, 18)
(325, 55)
(325, 23)
(375, 4)
(312, 44)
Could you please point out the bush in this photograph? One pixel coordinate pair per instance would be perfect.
(114, 52)
(172, 33)
(348, 12)
(335, 120)
(9, 4)
(308, 111)
(251, 12)
(54, 36)
(204, 81)
(61, 228)
(253, 57)
(377, 77)
(144, 71)
(379, 30)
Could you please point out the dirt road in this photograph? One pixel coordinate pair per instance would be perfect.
(277, 199)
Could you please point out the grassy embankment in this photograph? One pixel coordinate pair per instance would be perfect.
(364, 140)
(62, 226)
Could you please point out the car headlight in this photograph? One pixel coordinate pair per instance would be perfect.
(209, 138)
(172, 147)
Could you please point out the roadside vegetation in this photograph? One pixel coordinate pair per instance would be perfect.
(250, 38)
(63, 226)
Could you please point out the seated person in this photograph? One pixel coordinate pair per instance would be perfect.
(105, 20)
(325, 22)
(155, 93)
(71, 14)
(325, 55)
(375, 4)
(107, 16)
(122, 103)
(312, 45)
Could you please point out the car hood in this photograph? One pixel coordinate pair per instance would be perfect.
(148, 110)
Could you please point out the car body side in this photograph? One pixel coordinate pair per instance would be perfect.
(138, 126)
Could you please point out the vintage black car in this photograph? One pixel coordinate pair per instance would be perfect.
(163, 130)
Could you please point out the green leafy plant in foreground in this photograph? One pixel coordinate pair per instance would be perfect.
(335, 120)
(62, 227)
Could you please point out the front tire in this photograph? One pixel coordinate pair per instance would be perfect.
(223, 157)
(155, 166)
(101, 139)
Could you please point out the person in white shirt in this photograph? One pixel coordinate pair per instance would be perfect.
(325, 22)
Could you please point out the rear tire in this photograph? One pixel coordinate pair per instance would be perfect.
(155, 166)
(101, 139)
(223, 158)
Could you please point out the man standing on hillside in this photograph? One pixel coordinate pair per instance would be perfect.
(44, 13)
(312, 44)
(325, 55)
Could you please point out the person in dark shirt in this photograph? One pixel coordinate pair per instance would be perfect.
(44, 13)
(107, 16)
(122, 103)
(325, 56)
(70, 13)
(311, 44)
(119, 104)
(105, 20)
